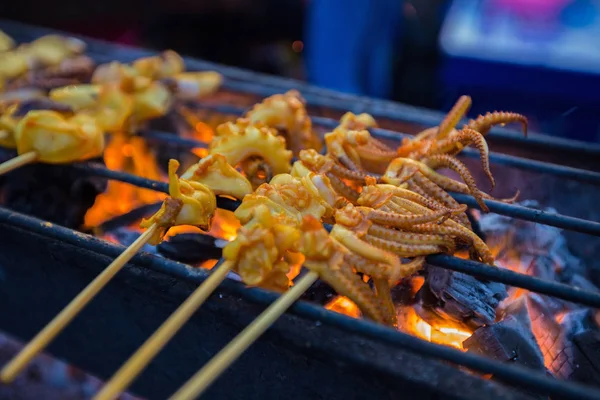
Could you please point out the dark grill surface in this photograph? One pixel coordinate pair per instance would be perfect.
(310, 352)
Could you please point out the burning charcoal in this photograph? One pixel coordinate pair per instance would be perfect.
(509, 341)
(536, 249)
(56, 193)
(579, 357)
(586, 358)
(191, 248)
(571, 348)
(460, 298)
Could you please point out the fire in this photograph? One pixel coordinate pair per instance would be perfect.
(128, 154)
(209, 264)
(198, 130)
(408, 322)
(448, 336)
(343, 305)
(225, 226)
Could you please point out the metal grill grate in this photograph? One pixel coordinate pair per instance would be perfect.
(242, 81)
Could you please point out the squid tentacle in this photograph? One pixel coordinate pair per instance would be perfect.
(443, 160)
(412, 238)
(404, 250)
(457, 141)
(457, 112)
(484, 123)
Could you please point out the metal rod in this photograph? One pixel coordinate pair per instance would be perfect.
(101, 171)
(170, 138)
(512, 374)
(537, 216)
(508, 277)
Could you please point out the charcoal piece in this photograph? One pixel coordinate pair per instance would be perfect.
(404, 292)
(190, 248)
(510, 340)
(577, 350)
(587, 358)
(449, 296)
(55, 193)
(506, 341)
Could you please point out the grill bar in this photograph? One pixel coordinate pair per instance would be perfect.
(510, 210)
(508, 277)
(511, 374)
(170, 138)
(558, 290)
(537, 216)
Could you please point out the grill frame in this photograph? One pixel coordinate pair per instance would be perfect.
(244, 81)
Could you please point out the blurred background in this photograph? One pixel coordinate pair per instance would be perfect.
(537, 57)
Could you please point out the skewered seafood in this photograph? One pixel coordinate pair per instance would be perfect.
(264, 248)
(446, 139)
(447, 234)
(214, 172)
(335, 264)
(51, 57)
(284, 202)
(123, 97)
(424, 180)
(192, 199)
(287, 114)
(255, 147)
(366, 152)
(57, 138)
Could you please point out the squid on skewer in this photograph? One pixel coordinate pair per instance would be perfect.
(256, 148)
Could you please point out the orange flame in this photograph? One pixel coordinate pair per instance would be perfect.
(127, 154)
(343, 305)
(445, 335)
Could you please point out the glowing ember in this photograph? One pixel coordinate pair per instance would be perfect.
(127, 154)
(209, 264)
(447, 336)
(343, 305)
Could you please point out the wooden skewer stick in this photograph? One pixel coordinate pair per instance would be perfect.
(46, 335)
(18, 161)
(219, 363)
(155, 343)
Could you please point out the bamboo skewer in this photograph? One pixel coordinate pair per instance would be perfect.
(198, 383)
(18, 161)
(155, 343)
(50, 331)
